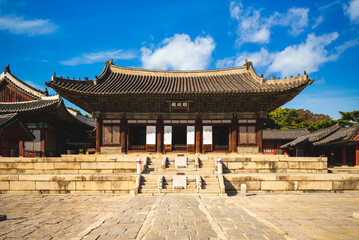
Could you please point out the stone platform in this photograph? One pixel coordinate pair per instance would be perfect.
(115, 174)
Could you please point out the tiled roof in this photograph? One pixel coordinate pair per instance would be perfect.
(82, 119)
(283, 134)
(30, 106)
(334, 134)
(20, 85)
(341, 135)
(116, 80)
(6, 120)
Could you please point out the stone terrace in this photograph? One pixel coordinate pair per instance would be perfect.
(115, 174)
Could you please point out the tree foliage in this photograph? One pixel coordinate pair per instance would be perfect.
(289, 118)
(79, 112)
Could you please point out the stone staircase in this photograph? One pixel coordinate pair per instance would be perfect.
(158, 175)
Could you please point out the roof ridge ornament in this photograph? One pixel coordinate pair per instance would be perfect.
(7, 69)
(109, 62)
(248, 64)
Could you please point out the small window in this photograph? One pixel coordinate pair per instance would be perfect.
(268, 149)
(34, 145)
(111, 134)
(247, 134)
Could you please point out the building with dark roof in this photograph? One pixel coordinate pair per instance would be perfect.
(192, 111)
(44, 117)
(339, 143)
(273, 139)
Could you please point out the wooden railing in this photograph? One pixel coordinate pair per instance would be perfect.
(179, 147)
(221, 148)
(137, 147)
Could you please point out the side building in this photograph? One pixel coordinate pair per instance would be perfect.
(34, 124)
(183, 111)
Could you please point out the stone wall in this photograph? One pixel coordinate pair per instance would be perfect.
(274, 164)
(66, 184)
(68, 165)
(282, 182)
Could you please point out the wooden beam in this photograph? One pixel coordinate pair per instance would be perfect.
(357, 154)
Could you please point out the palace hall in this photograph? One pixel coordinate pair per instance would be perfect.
(139, 110)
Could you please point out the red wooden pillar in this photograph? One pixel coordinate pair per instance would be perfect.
(42, 143)
(198, 134)
(260, 134)
(234, 134)
(98, 135)
(124, 132)
(21, 148)
(357, 154)
(344, 155)
(160, 130)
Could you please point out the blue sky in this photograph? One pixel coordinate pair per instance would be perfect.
(282, 38)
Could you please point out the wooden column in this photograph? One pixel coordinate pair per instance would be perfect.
(42, 143)
(21, 149)
(124, 132)
(260, 134)
(344, 155)
(234, 135)
(98, 135)
(198, 129)
(159, 132)
(357, 154)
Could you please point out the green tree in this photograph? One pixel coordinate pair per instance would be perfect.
(283, 118)
(350, 117)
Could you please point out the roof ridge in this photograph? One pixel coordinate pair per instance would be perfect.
(21, 85)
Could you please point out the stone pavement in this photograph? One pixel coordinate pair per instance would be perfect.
(269, 216)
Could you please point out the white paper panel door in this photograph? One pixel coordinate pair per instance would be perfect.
(190, 135)
(150, 135)
(167, 138)
(207, 135)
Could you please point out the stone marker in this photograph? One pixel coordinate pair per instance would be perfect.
(220, 166)
(179, 182)
(3, 218)
(180, 162)
(243, 190)
(138, 162)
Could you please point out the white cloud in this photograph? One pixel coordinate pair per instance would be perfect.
(255, 28)
(309, 55)
(352, 10)
(89, 58)
(317, 21)
(18, 25)
(296, 19)
(179, 53)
